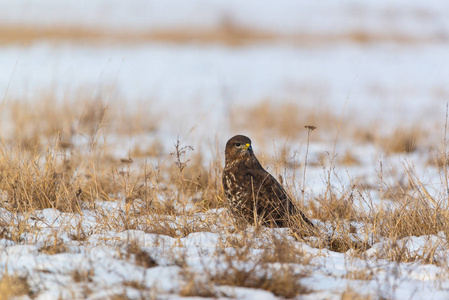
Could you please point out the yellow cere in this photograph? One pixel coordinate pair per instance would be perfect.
(247, 145)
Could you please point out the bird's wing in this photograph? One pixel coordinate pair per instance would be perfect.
(268, 182)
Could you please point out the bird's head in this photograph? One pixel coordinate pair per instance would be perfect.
(237, 148)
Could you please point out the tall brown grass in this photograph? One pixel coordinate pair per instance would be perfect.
(178, 193)
(12, 286)
(228, 33)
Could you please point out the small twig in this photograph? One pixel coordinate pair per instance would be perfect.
(309, 129)
(9, 83)
(181, 163)
(179, 152)
(445, 153)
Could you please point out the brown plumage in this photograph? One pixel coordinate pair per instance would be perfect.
(252, 193)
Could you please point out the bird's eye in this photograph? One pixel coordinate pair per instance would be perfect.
(238, 144)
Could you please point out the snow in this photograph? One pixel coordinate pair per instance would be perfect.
(327, 269)
(212, 79)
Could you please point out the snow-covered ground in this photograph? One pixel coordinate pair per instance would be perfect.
(101, 266)
(194, 85)
(193, 88)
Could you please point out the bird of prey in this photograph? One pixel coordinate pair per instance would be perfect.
(253, 194)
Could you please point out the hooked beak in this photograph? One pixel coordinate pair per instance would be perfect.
(248, 147)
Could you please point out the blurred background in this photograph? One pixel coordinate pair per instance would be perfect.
(205, 70)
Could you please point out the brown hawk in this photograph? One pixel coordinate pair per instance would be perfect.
(252, 193)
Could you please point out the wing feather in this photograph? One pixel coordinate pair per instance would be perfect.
(273, 190)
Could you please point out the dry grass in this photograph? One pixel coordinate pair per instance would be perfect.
(350, 294)
(334, 207)
(156, 149)
(196, 286)
(415, 212)
(282, 282)
(177, 195)
(42, 167)
(134, 251)
(12, 286)
(282, 120)
(227, 33)
(282, 250)
(286, 120)
(402, 140)
(360, 274)
(84, 115)
(413, 218)
(57, 247)
(236, 265)
(412, 212)
(272, 270)
(83, 275)
(349, 159)
(38, 182)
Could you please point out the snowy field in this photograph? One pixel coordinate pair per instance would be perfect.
(99, 201)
